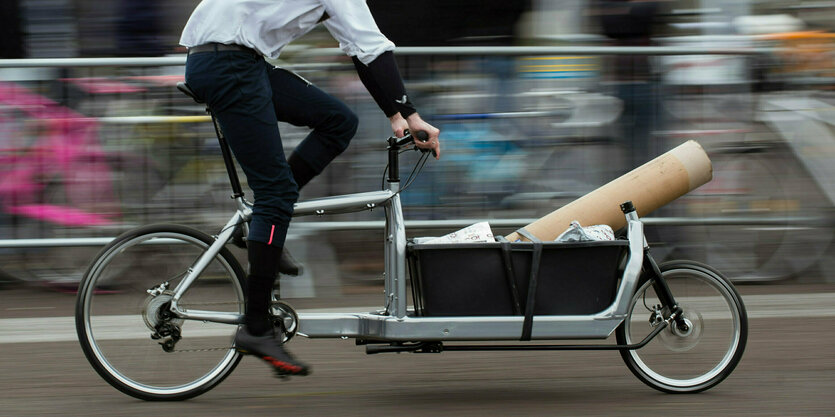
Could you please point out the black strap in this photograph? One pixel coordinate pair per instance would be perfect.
(527, 325)
(508, 271)
(215, 47)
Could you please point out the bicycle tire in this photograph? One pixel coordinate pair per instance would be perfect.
(115, 314)
(762, 184)
(684, 363)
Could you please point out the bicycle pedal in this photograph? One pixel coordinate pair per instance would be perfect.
(288, 265)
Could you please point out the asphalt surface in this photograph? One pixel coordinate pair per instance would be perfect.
(788, 370)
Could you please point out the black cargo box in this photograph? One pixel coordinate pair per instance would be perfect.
(473, 279)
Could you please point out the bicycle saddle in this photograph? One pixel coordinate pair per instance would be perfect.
(187, 91)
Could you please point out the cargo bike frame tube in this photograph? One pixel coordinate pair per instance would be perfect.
(241, 218)
(395, 247)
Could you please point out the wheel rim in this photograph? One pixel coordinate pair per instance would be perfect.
(122, 344)
(682, 360)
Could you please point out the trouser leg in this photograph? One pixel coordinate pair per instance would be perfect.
(302, 172)
(237, 87)
(303, 104)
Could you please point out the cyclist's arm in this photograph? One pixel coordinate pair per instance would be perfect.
(351, 23)
(382, 79)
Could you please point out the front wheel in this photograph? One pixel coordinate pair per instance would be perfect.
(710, 347)
(126, 329)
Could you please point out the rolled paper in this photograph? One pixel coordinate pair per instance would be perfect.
(649, 187)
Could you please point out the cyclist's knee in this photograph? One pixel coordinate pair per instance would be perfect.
(289, 196)
(276, 197)
(351, 123)
(339, 127)
(348, 123)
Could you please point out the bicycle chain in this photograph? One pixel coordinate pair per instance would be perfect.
(202, 350)
(205, 349)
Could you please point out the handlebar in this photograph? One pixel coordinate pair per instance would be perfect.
(408, 138)
(395, 144)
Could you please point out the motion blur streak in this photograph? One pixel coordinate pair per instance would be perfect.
(92, 151)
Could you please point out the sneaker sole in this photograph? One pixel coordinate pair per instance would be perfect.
(281, 368)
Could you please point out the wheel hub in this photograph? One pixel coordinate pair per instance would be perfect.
(155, 311)
(160, 320)
(683, 329)
(681, 338)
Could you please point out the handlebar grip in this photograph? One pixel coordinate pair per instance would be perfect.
(422, 136)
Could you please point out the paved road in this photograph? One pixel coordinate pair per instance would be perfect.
(788, 369)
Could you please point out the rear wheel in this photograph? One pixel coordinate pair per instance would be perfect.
(699, 356)
(126, 329)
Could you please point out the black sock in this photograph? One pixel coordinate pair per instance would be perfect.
(263, 259)
(302, 172)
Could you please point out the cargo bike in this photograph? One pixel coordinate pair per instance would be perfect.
(158, 308)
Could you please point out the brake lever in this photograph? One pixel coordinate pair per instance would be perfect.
(405, 140)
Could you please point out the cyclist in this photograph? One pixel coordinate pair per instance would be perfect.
(227, 41)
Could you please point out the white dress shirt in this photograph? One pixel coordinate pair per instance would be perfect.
(269, 25)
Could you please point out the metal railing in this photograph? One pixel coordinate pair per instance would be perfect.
(406, 51)
(413, 50)
(310, 227)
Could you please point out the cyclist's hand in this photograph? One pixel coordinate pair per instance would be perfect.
(398, 125)
(417, 124)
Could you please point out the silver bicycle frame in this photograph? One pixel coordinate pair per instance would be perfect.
(393, 323)
(242, 216)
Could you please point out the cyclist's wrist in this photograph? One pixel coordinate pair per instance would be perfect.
(398, 124)
(413, 118)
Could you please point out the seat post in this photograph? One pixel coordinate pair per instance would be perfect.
(237, 191)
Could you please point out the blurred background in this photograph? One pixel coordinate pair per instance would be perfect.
(93, 145)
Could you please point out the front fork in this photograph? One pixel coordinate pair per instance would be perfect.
(652, 272)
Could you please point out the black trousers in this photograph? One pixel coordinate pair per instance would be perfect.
(249, 96)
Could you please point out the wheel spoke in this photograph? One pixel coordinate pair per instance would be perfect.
(698, 355)
(128, 333)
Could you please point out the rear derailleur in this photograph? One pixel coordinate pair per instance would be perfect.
(169, 335)
(166, 326)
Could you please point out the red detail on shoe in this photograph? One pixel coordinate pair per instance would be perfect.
(284, 366)
(272, 230)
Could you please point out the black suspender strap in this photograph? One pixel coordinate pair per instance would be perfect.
(508, 271)
(527, 326)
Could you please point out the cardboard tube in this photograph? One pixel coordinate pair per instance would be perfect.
(649, 187)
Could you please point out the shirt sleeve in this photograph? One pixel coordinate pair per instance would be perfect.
(382, 79)
(352, 24)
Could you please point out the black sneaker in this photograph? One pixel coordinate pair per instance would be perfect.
(288, 265)
(269, 349)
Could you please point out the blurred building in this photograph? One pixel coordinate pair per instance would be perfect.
(449, 23)
(11, 32)
(50, 28)
(523, 134)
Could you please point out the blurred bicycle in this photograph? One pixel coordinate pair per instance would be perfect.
(56, 180)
